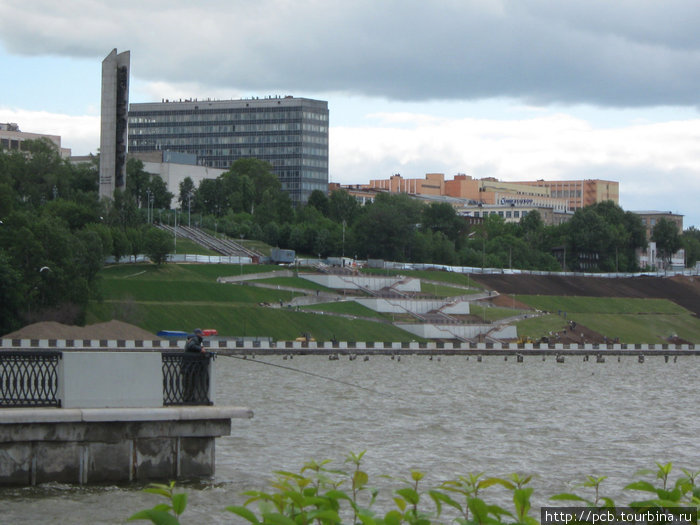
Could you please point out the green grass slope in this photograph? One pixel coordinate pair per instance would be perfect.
(185, 296)
(632, 321)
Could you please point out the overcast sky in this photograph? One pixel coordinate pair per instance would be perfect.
(514, 89)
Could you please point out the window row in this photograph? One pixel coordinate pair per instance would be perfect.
(208, 128)
(143, 140)
(136, 117)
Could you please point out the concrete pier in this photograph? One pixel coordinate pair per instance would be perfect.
(97, 445)
(96, 416)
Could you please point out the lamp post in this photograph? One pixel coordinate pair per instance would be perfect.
(343, 252)
(240, 259)
(151, 200)
(189, 209)
(175, 232)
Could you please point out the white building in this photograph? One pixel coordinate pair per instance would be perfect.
(174, 168)
(11, 138)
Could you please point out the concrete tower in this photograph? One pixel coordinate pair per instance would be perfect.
(113, 133)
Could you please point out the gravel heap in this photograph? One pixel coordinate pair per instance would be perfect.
(108, 330)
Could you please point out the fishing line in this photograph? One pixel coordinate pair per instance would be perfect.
(354, 385)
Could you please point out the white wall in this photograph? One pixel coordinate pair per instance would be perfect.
(349, 282)
(411, 305)
(173, 174)
(449, 331)
(110, 380)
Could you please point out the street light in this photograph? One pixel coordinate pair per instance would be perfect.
(175, 232)
(148, 208)
(189, 209)
(343, 253)
(151, 199)
(240, 259)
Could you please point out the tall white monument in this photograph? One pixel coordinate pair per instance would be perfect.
(113, 134)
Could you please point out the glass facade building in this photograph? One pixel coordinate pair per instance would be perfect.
(290, 133)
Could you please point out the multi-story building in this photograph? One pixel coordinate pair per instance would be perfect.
(432, 184)
(650, 256)
(11, 138)
(290, 133)
(651, 218)
(579, 193)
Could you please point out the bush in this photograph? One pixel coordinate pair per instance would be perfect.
(331, 496)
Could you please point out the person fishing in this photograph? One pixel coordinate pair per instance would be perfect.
(195, 342)
(192, 368)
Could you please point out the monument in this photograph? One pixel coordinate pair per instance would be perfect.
(113, 131)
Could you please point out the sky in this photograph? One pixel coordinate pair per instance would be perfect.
(511, 89)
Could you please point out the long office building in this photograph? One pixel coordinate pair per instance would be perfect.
(290, 133)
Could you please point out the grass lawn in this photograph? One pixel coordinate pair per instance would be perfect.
(538, 327)
(633, 321)
(237, 321)
(188, 246)
(492, 313)
(441, 290)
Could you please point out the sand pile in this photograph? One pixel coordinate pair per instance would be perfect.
(108, 330)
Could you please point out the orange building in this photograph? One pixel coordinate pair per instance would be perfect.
(560, 196)
(580, 193)
(432, 184)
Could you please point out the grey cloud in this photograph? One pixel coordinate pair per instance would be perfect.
(624, 53)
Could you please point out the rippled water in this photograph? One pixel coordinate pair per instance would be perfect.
(446, 417)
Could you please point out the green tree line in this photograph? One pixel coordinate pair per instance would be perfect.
(55, 233)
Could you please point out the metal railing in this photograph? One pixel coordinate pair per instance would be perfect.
(186, 378)
(29, 379)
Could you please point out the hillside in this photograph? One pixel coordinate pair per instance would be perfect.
(684, 291)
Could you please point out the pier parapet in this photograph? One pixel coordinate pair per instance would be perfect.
(81, 417)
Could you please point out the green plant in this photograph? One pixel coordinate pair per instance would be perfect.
(683, 492)
(321, 495)
(591, 482)
(163, 514)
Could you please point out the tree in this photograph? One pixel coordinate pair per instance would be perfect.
(137, 181)
(319, 200)
(442, 217)
(603, 237)
(691, 245)
(668, 240)
(187, 190)
(386, 229)
(120, 244)
(11, 295)
(343, 207)
(157, 244)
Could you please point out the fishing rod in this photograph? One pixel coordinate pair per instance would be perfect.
(347, 383)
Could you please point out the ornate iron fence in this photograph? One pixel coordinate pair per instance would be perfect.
(29, 378)
(186, 378)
